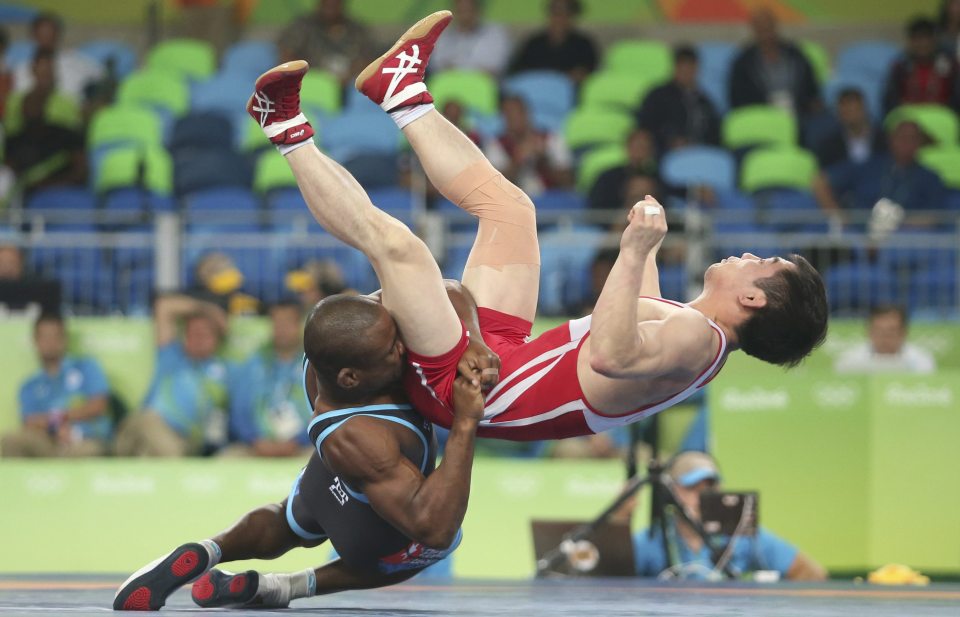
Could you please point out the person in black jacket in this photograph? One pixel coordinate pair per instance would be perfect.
(678, 113)
(856, 139)
(560, 46)
(773, 71)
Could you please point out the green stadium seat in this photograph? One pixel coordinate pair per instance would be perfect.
(124, 124)
(938, 122)
(588, 126)
(597, 161)
(653, 59)
(818, 58)
(755, 125)
(945, 162)
(611, 89)
(780, 167)
(158, 89)
(321, 90)
(121, 168)
(191, 58)
(272, 172)
(474, 90)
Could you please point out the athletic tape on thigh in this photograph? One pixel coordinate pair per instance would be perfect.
(507, 233)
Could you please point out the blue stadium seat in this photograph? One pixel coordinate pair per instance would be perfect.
(360, 133)
(934, 288)
(858, 287)
(16, 14)
(558, 200)
(58, 198)
(565, 258)
(202, 129)
(700, 166)
(226, 199)
(224, 92)
(789, 210)
(250, 58)
(397, 202)
(715, 87)
(374, 170)
(673, 282)
(19, 52)
(104, 51)
(196, 169)
(869, 59)
(716, 59)
(550, 96)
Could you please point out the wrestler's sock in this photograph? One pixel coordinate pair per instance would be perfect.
(278, 590)
(286, 149)
(213, 552)
(406, 115)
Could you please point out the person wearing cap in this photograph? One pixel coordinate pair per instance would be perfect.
(314, 281)
(219, 281)
(691, 474)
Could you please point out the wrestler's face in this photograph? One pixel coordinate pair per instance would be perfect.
(386, 352)
(740, 274)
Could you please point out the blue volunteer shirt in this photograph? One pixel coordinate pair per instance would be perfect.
(765, 551)
(267, 400)
(79, 379)
(187, 393)
(860, 185)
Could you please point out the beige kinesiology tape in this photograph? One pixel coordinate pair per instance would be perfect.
(507, 234)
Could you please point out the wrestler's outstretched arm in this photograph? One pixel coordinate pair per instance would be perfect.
(619, 346)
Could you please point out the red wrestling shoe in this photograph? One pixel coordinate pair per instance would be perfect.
(217, 588)
(395, 79)
(147, 588)
(275, 104)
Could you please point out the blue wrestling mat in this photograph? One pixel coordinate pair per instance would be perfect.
(78, 595)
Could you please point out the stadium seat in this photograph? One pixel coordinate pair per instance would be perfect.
(272, 172)
(945, 161)
(557, 200)
(135, 201)
(373, 169)
(734, 212)
(617, 90)
(715, 87)
(565, 258)
(858, 287)
(160, 90)
(653, 59)
(547, 93)
(320, 91)
(150, 168)
(105, 51)
(818, 58)
(205, 129)
(755, 125)
(124, 125)
(250, 58)
(193, 59)
(868, 59)
(782, 167)
(19, 52)
(198, 169)
(789, 210)
(938, 122)
(474, 90)
(60, 198)
(223, 199)
(716, 57)
(587, 127)
(597, 161)
(352, 134)
(226, 92)
(699, 166)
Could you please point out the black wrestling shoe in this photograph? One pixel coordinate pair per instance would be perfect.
(217, 588)
(147, 588)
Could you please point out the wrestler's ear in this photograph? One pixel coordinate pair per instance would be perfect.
(347, 378)
(753, 298)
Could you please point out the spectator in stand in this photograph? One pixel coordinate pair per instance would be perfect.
(219, 281)
(314, 281)
(924, 74)
(471, 44)
(949, 28)
(185, 411)
(684, 554)
(857, 139)
(268, 410)
(678, 113)
(44, 141)
(6, 75)
(73, 70)
(773, 71)
(887, 350)
(533, 159)
(895, 175)
(560, 46)
(329, 40)
(609, 191)
(20, 292)
(63, 405)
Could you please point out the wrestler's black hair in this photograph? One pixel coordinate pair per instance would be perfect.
(794, 321)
